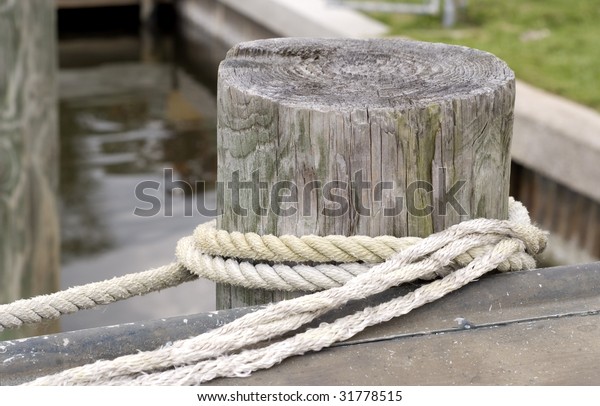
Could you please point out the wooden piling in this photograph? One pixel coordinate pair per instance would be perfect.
(29, 244)
(373, 137)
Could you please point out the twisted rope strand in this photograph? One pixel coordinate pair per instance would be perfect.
(333, 248)
(459, 254)
(424, 258)
(52, 306)
(242, 364)
(264, 324)
(278, 276)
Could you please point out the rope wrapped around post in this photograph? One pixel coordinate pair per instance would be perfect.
(317, 115)
(460, 254)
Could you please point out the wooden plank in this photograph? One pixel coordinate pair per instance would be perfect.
(95, 3)
(512, 299)
(26, 359)
(29, 229)
(500, 299)
(553, 351)
(592, 239)
(567, 214)
(103, 3)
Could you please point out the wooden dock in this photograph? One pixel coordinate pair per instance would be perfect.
(60, 4)
(536, 327)
(146, 7)
(95, 3)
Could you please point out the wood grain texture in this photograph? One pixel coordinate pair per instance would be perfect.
(371, 136)
(572, 218)
(29, 244)
(561, 351)
(526, 328)
(511, 318)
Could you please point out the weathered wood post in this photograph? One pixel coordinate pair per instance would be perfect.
(29, 244)
(353, 137)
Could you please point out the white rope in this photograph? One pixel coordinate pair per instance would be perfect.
(242, 364)
(204, 254)
(52, 306)
(313, 248)
(197, 256)
(509, 244)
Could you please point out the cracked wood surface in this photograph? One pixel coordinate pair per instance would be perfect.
(359, 137)
(29, 235)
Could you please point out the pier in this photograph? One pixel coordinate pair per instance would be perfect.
(535, 327)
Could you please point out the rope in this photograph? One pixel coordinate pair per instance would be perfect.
(495, 244)
(193, 261)
(304, 277)
(242, 364)
(308, 248)
(48, 307)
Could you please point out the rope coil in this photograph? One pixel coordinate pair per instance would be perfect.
(460, 254)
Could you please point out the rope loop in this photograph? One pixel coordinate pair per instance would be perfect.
(346, 269)
(244, 259)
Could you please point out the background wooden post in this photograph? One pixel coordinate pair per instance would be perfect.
(371, 137)
(29, 244)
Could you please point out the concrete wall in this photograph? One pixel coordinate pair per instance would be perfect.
(233, 21)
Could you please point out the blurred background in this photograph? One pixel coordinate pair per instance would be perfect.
(97, 96)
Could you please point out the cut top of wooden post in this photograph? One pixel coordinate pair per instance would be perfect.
(374, 137)
(347, 74)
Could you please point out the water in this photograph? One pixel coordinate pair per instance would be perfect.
(131, 106)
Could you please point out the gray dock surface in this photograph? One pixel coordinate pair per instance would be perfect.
(533, 327)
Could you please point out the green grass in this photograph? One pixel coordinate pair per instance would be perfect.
(552, 44)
